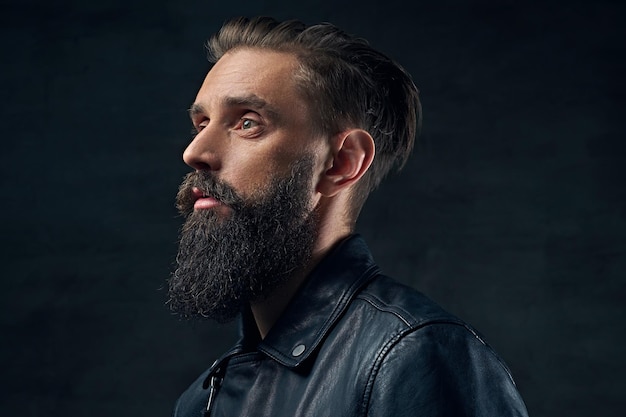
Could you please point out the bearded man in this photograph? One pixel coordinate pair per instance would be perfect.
(295, 125)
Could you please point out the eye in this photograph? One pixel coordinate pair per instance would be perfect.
(202, 125)
(198, 126)
(247, 124)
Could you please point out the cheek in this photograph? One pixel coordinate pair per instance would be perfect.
(251, 170)
(252, 178)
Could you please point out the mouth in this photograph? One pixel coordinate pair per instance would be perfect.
(203, 201)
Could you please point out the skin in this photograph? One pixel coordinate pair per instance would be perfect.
(251, 124)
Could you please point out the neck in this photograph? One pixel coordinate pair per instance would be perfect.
(267, 311)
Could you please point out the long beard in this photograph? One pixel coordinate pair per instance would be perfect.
(226, 262)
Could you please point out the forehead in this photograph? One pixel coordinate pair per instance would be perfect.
(266, 74)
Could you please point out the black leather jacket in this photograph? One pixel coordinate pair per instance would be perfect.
(354, 342)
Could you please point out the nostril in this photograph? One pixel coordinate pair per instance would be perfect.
(202, 166)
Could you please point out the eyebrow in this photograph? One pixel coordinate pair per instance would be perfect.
(253, 101)
(195, 109)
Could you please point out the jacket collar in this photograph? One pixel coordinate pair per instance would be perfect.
(317, 306)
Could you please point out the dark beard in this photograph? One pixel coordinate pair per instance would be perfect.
(224, 263)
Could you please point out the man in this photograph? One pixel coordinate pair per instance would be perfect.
(294, 126)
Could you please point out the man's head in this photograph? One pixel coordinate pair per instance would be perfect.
(294, 125)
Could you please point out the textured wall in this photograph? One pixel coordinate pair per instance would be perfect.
(512, 213)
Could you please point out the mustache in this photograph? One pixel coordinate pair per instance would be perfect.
(210, 186)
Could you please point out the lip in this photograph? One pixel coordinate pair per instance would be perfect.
(202, 201)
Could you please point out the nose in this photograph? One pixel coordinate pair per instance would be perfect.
(201, 154)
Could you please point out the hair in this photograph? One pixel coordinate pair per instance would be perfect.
(348, 84)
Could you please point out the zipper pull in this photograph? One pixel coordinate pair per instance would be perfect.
(214, 386)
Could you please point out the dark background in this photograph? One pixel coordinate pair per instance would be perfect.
(512, 213)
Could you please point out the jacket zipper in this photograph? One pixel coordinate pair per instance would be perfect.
(217, 372)
(214, 386)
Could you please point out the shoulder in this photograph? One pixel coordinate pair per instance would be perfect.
(431, 360)
(418, 327)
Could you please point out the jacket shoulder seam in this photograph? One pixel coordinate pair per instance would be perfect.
(374, 371)
(379, 305)
(410, 320)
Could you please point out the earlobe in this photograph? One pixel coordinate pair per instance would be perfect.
(352, 154)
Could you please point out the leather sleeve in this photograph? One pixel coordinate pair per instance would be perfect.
(441, 370)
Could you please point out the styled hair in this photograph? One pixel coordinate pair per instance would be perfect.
(347, 83)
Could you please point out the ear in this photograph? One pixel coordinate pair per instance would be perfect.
(352, 154)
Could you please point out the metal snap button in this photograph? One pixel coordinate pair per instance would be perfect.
(298, 350)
